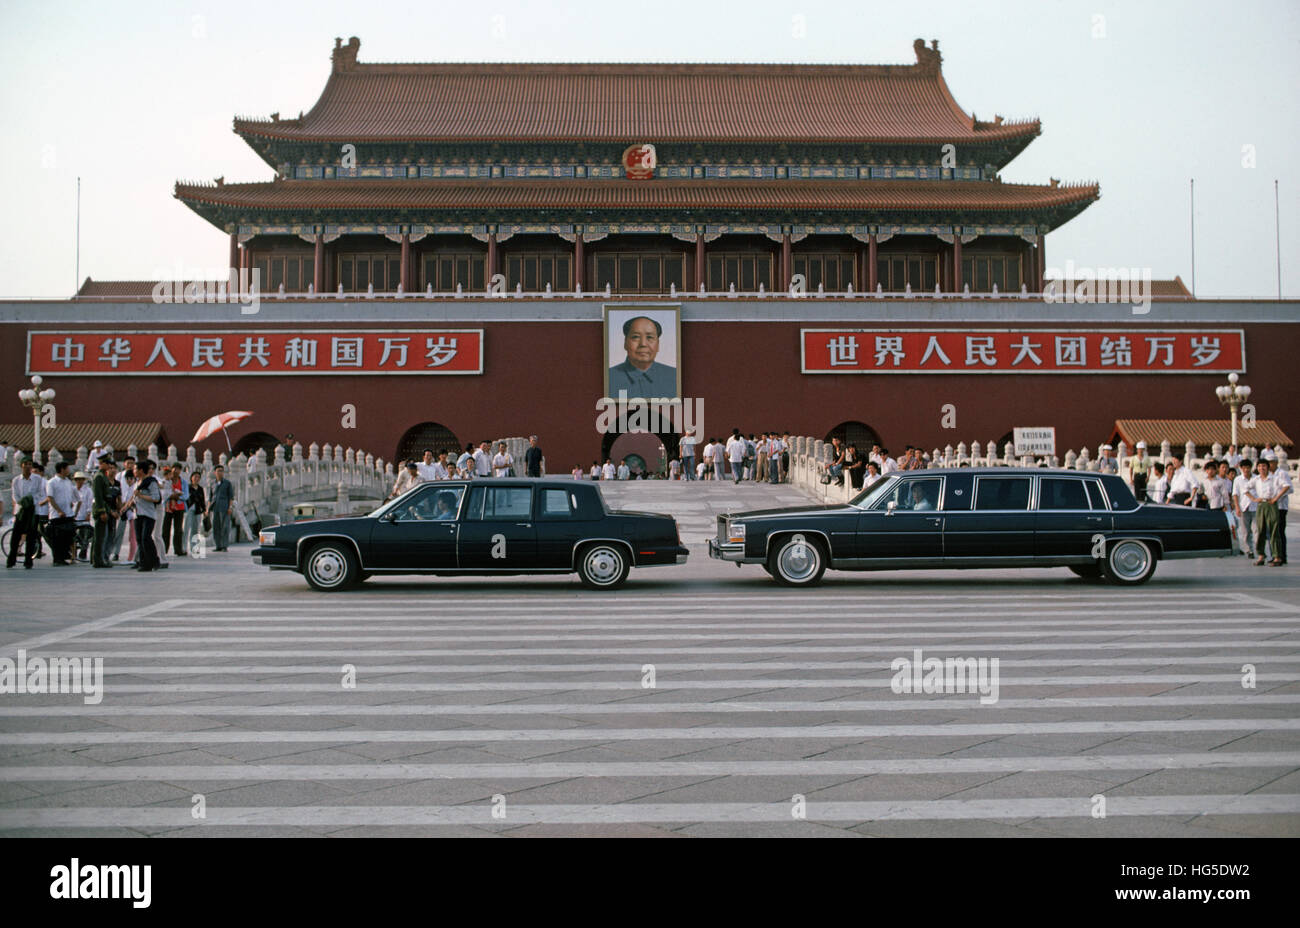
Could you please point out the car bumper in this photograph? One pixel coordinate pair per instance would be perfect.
(729, 552)
(276, 557)
(662, 557)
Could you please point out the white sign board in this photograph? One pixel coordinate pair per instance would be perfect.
(1034, 442)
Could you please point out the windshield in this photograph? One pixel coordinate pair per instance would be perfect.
(870, 495)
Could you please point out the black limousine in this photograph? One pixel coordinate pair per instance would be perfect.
(481, 527)
(975, 517)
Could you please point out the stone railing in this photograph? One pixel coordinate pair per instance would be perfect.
(267, 488)
(809, 458)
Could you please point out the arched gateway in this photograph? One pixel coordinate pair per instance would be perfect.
(427, 436)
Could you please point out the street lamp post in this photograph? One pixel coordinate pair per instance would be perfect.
(1232, 396)
(36, 399)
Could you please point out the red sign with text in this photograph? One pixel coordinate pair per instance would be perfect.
(1032, 351)
(256, 351)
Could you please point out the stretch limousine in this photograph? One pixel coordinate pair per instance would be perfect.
(481, 527)
(975, 517)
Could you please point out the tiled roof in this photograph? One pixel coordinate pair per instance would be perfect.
(626, 194)
(631, 103)
(1201, 432)
(111, 288)
(70, 436)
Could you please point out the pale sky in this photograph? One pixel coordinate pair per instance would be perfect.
(133, 96)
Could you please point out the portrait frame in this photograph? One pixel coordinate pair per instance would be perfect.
(669, 317)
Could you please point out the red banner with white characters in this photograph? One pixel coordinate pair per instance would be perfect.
(1031, 351)
(255, 351)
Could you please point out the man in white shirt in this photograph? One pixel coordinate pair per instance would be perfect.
(440, 468)
(465, 463)
(1158, 489)
(1182, 485)
(1284, 487)
(61, 497)
(1263, 488)
(483, 460)
(607, 470)
(1233, 457)
(25, 532)
(92, 461)
(427, 468)
(624, 472)
(503, 463)
(85, 498)
(686, 444)
(775, 447)
(887, 464)
(736, 455)
(1245, 507)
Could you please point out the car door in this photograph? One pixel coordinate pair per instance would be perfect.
(497, 530)
(905, 522)
(562, 521)
(1066, 522)
(999, 522)
(420, 534)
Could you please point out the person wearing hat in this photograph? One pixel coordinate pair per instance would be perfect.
(96, 450)
(1139, 465)
(1107, 464)
(407, 478)
(85, 531)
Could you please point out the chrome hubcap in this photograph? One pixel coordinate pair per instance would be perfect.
(1129, 560)
(327, 567)
(798, 561)
(603, 565)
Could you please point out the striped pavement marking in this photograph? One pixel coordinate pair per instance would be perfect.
(701, 733)
(643, 812)
(651, 705)
(646, 768)
(634, 685)
(1194, 634)
(659, 650)
(851, 664)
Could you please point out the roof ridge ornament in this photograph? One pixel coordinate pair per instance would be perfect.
(345, 56)
(928, 60)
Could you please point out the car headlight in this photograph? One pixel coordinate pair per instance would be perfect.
(736, 532)
(266, 538)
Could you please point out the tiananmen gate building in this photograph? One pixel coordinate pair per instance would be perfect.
(462, 252)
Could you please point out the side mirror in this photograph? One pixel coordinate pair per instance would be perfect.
(390, 516)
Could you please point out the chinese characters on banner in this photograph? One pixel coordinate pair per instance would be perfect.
(1042, 351)
(256, 351)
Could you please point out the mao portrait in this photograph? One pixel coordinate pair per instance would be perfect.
(641, 352)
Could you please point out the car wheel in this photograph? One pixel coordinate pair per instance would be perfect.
(331, 566)
(1129, 562)
(1087, 571)
(797, 561)
(603, 566)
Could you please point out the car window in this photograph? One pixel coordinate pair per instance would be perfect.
(1062, 493)
(1002, 493)
(556, 504)
(497, 504)
(915, 494)
(1095, 494)
(430, 504)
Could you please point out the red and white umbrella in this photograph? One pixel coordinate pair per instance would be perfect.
(218, 422)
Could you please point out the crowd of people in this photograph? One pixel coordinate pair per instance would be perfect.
(158, 511)
(474, 463)
(1254, 495)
